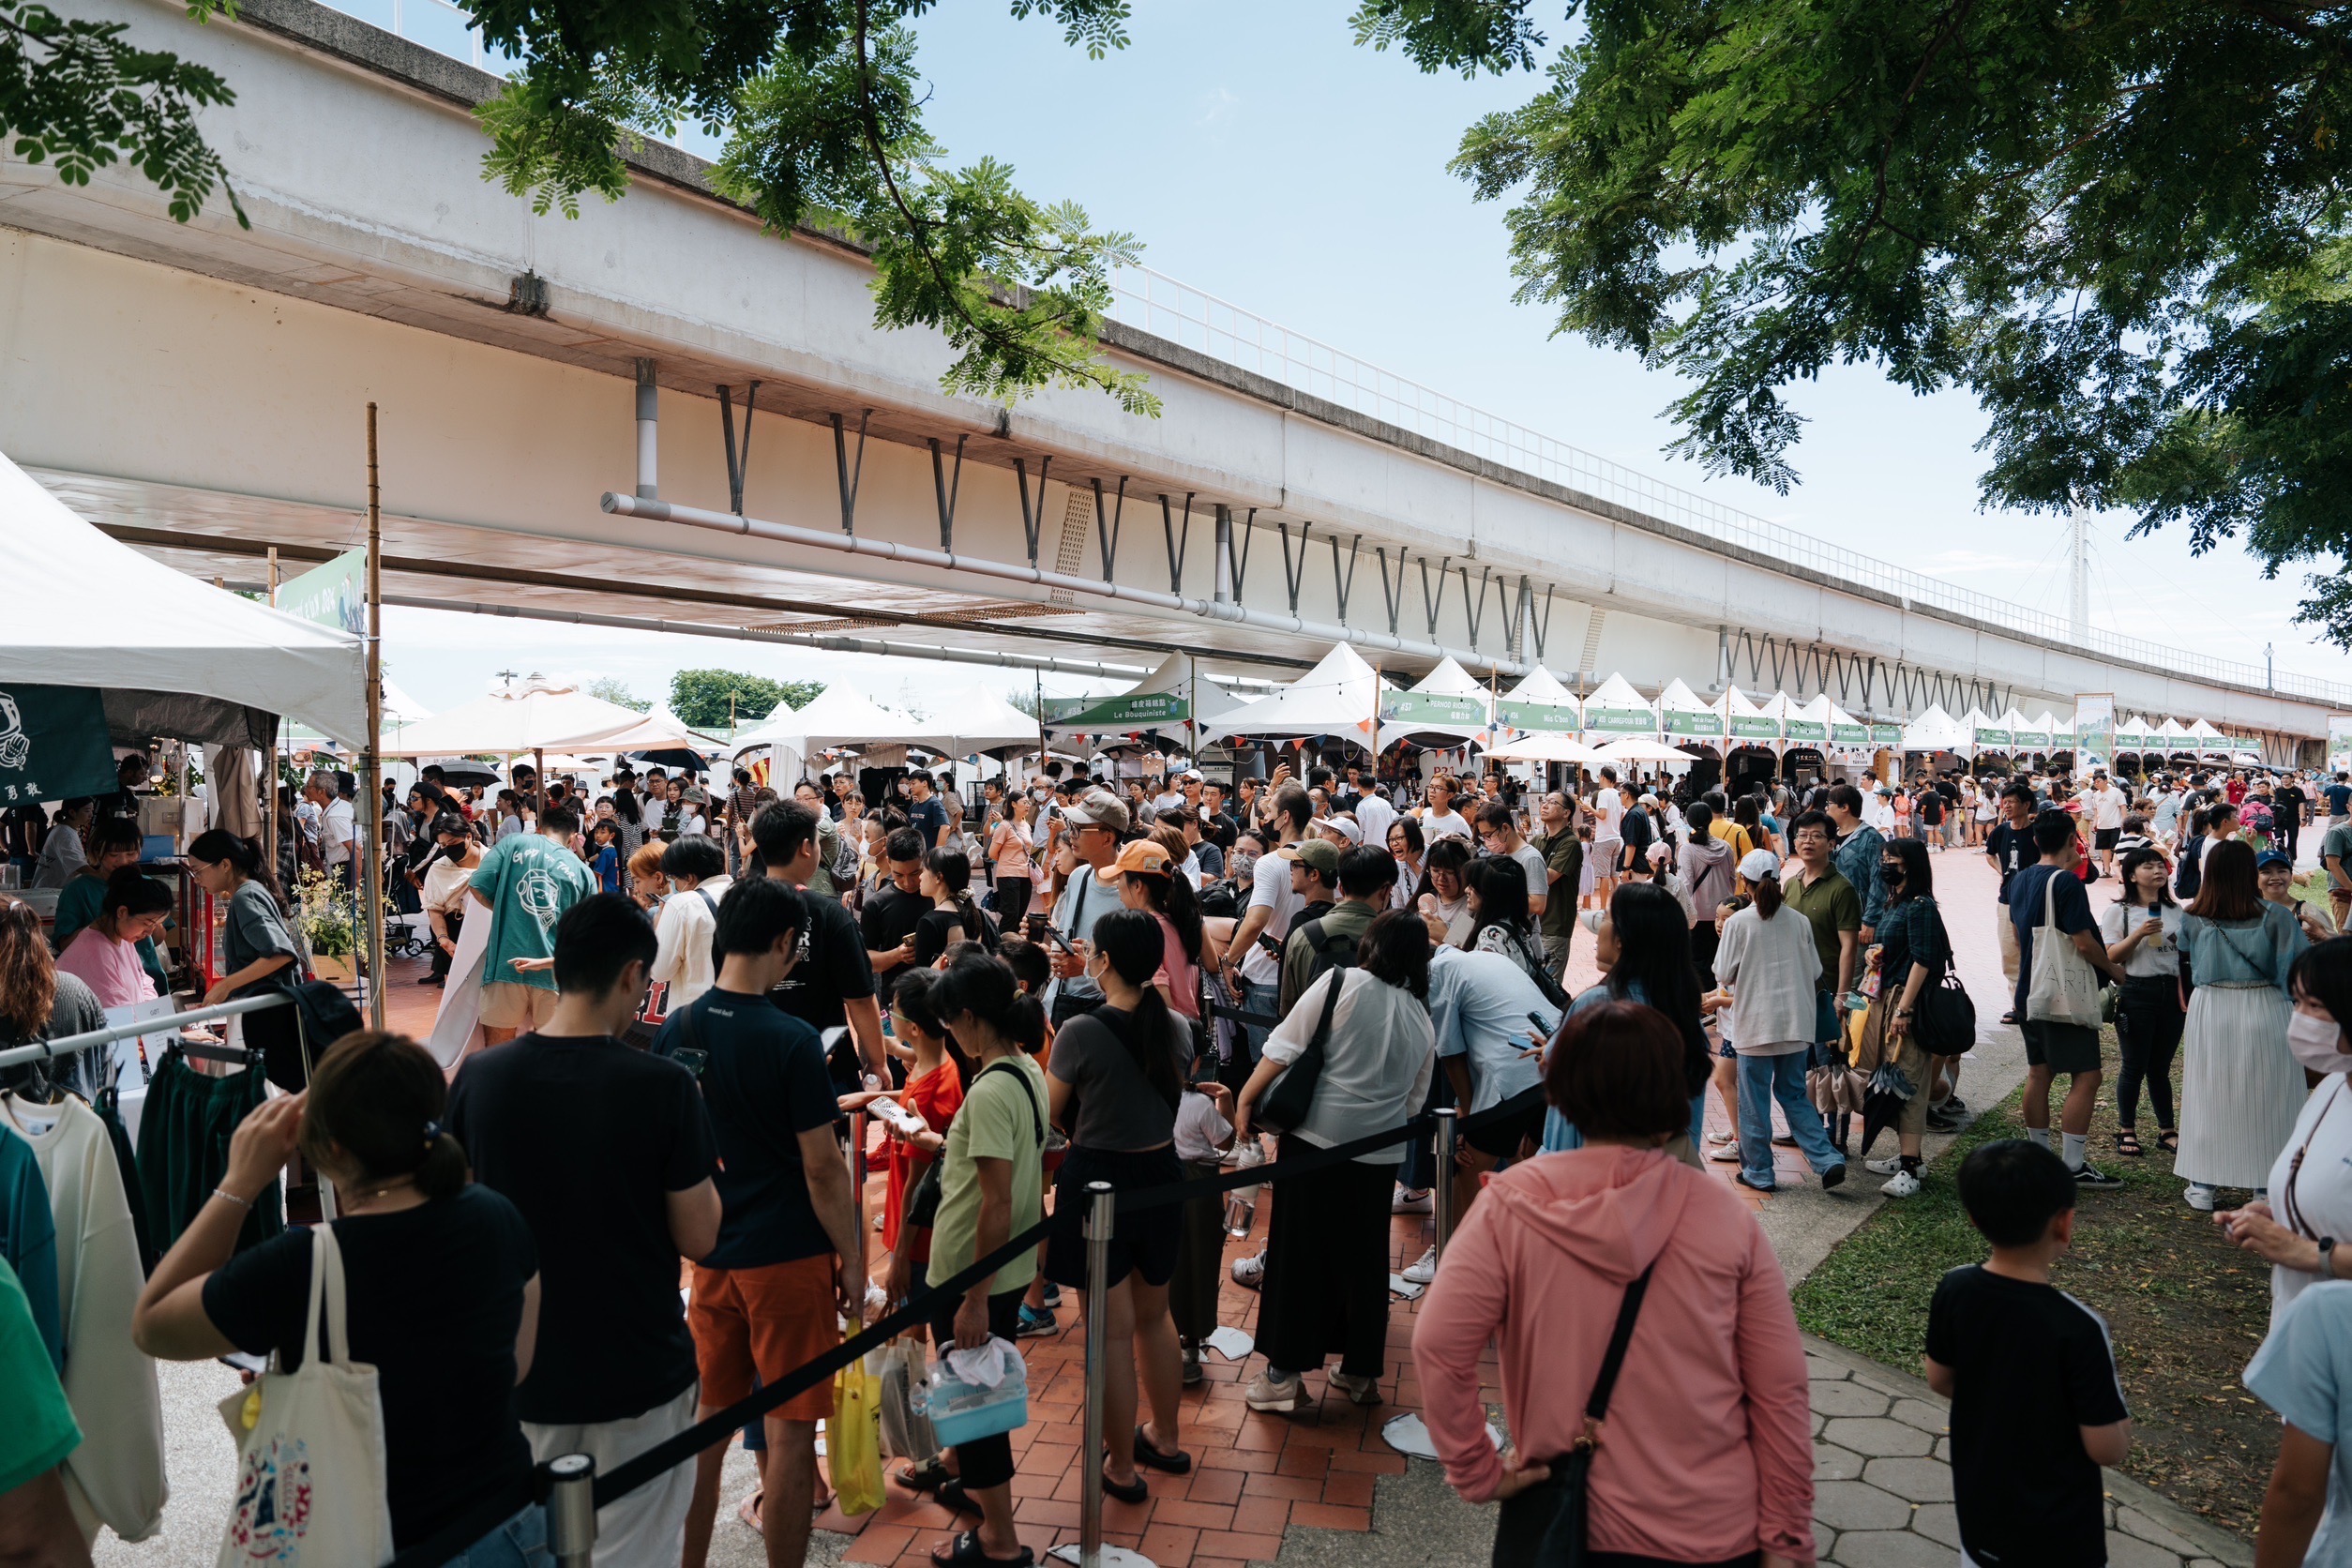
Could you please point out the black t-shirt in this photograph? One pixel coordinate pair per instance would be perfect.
(891, 916)
(2288, 801)
(834, 971)
(1219, 831)
(1931, 806)
(589, 1138)
(2013, 850)
(2033, 1366)
(1633, 829)
(926, 817)
(764, 1084)
(435, 1297)
(933, 931)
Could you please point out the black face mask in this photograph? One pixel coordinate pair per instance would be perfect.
(1891, 877)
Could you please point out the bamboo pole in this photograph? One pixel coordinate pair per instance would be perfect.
(371, 887)
(269, 757)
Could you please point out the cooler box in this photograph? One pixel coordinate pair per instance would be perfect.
(961, 1411)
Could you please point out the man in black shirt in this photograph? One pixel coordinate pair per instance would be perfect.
(1216, 824)
(608, 1154)
(2036, 1409)
(765, 1299)
(2011, 849)
(925, 814)
(892, 914)
(832, 984)
(2286, 816)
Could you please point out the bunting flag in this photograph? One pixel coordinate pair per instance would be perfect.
(761, 769)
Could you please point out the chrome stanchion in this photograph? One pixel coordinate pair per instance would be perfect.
(1098, 1223)
(1441, 1200)
(571, 1509)
(857, 1200)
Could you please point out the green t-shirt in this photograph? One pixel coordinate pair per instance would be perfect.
(529, 879)
(1832, 904)
(999, 1121)
(2338, 843)
(37, 1429)
(1563, 852)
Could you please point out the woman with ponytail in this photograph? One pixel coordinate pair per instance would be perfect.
(1118, 1075)
(440, 1275)
(261, 954)
(1153, 880)
(946, 881)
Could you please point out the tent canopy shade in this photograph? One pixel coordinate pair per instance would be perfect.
(536, 716)
(1337, 698)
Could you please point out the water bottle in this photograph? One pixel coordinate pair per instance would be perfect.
(1241, 1204)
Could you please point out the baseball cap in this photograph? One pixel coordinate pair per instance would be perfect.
(1647, 800)
(1344, 827)
(1759, 863)
(1321, 854)
(1145, 857)
(1100, 809)
(2273, 857)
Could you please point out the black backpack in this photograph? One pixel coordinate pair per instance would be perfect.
(1331, 950)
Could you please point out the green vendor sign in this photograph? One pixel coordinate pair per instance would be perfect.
(54, 744)
(1139, 710)
(1409, 708)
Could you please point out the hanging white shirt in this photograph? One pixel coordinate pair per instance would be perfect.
(62, 857)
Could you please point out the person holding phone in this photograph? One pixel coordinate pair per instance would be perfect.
(891, 916)
(2142, 931)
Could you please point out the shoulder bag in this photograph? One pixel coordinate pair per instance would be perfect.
(2064, 987)
(1945, 1020)
(922, 1205)
(1287, 1105)
(1564, 1542)
(310, 1452)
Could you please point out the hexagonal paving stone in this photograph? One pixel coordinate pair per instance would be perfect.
(1875, 1437)
(1833, 1463)
(1890, 1548)
(1919, 1413)
(1819, 1421)
(1821, 1369)
(2126, 1551)
(2131, 1521)
(1846, 1505)
(1913, 1480)
(1938, 1521)
(1942, 1450)
(1848, 1398)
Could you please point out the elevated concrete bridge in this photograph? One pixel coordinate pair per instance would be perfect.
(199, 390)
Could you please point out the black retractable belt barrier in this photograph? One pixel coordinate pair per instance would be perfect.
(633, 1474)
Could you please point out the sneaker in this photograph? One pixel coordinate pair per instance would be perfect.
(1363, 1391)
(1407, 1202)
(1422, 1269)
(1052, 1295)
(1885, 1167)
(1953, 1105)
(1945, 1122)
(2200, 1198)
(1243, 1155)
(1034, 1324)
(1742, 1177)
(1193, 1374)
(1273, 1391)
(1903, 1184)
(1725, 1154)
(1250, 1271)
(1834, 1177)
(1785, 1141)
(2091, 1176)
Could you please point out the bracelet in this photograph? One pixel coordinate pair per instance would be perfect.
(245, 1203)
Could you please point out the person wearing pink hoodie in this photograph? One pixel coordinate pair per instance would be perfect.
(1705, 1455)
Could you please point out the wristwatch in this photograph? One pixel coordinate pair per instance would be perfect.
(2327, 1258)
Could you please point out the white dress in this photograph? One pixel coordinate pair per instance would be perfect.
(2241, 1088)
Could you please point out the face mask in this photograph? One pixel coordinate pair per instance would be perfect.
(2313, 1043)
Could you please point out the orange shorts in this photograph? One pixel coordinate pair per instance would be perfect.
(769, 1320)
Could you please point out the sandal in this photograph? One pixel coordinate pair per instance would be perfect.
(928, 1476)
(1134, 1491)
(964, 1551)
(749, 1512)
(953, 1498)
(2168, 1140)
(2128, 1144)
(1174, 1461)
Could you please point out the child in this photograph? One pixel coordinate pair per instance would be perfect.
(2036, 1409)
(604, 855)
(934, 1090)
(1032, 970)
(1204, 1130)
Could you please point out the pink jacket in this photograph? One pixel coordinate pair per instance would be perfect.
(1706, 1452)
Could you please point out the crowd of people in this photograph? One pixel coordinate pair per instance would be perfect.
(680, 1000)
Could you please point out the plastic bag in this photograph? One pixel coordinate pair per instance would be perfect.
(853, 1440)
(906, 1433)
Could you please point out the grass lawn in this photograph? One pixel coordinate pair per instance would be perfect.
(2185, 1309)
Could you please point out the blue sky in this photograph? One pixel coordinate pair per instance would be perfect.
(1261, 155)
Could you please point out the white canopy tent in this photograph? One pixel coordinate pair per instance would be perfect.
(1937, 730)
(1445, 708)
(536, 716)
(2209, 741)
(1685, 716)
(1173, 697)
(1803, 723)
(1337, 698)
(1539, 705)
(978, 722)
(1747, 722)
(160, 630)
(1615, 708)
(842, 716)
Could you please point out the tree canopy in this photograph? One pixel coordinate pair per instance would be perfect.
(700, 697)
(2121, 224)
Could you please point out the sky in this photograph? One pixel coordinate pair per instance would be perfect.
(1261, 155)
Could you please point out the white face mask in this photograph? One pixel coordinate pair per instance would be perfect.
(2313, 1043)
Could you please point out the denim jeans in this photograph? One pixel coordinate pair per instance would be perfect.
(1266, 999)
(520, 1542)
(1762, 1080)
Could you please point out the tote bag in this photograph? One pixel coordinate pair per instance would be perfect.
(2064, 987)
(310, 1489)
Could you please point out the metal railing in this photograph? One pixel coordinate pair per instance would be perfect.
(1155, 303)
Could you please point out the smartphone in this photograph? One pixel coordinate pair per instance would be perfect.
(1052, 933)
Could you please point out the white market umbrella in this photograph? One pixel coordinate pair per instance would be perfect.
(1641, 749)
(1545, 748)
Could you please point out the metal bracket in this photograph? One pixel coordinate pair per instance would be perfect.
(1395, 595)
(948, 491)
(1032, 518)
(1473, 604)
(1543, 628)
(1108, 534)
(1342, 584)
(1241, 563)
(849, 476)
(1433, 605)
(738, 453)
(1293, 576)
(1176, 544)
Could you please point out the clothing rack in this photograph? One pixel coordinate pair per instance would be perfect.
(43, 1050)
(249, 1056)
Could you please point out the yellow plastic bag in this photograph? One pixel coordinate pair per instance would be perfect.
(853, 1440)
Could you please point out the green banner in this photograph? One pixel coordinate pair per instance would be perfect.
(334, 595)
(1622, 721)
(1812, 730)
(1852, 734)
(1702, 724)
(2032, 740)
(1754, 729)
(1999, 739)
(1547, 718)
(1411, 708)
(54, 744)
(1886, 734)
(1139, 710)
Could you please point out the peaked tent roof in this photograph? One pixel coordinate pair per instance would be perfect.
(1937, 730)
(1337, 698)
(976, 719)
(1679, 698)
(536, 716)
(843, 715)
(162, 630)
(1540, 685)
(1467, 708)
(1448, 679)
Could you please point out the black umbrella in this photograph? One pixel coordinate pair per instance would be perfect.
(466, 772)
(673, 757)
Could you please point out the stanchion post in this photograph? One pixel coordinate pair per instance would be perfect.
(858, 1125)
(571, 1509)
(1441, 1200)
(1098, 1223)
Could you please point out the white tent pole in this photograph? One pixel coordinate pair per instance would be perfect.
(269, 757)
(371, 763)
